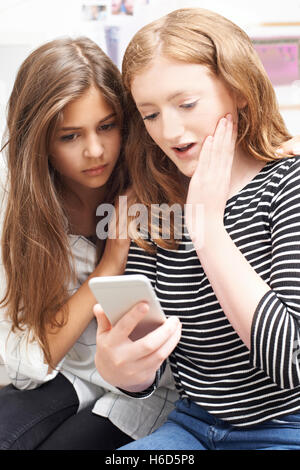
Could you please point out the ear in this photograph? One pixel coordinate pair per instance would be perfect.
(241, 102)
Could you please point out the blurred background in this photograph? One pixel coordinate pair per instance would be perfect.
(273, 25)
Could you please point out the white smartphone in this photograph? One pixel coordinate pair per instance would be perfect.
(118, 294)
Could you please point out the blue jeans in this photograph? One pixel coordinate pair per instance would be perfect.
(190, 427)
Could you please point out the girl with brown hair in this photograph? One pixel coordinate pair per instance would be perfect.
(205, 129)
(66, 131)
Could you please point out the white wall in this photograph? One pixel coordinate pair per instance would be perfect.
(25, 24)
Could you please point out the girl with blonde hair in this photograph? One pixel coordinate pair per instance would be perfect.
(205, 127)
(66, 130)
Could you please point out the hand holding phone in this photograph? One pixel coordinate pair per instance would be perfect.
(118, 294)
(132, 365)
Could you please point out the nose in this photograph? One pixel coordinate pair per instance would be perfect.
(93, 146)
(172, 127)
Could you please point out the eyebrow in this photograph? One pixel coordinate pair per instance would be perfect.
(73, 128)
(169, 98)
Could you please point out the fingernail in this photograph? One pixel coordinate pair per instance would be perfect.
(97, 308)
(174, 320)
(143, 308)
(279, 151)
(296, 150)
(229, 117)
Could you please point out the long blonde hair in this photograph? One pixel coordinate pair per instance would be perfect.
(194, 35)
(35, 249)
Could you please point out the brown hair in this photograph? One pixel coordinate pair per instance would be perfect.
(194, 35)
(35, 248)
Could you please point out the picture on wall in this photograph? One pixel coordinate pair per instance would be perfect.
(103, 9)
(122, 7)
(96, 11)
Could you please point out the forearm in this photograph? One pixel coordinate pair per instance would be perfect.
(79, 314)
(80, 311)
(235, 283)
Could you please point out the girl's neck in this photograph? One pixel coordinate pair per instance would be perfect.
(80, 205)
(244, 168)
(83, 199)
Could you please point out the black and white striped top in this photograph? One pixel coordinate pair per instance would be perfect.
(211, 364)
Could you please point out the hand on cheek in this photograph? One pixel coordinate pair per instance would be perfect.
(209, 186)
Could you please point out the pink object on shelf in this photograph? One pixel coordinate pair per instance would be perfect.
(280, 57)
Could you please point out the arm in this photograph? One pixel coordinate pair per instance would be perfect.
(23, 356)
(80, 305)
(236, 285)
(275, 335)
(265, 319)
(266, 316)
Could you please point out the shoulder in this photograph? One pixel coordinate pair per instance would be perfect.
(284, 183)
(279, 174)
(284, 169)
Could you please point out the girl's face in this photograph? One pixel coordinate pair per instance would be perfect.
(86, 144)
(181, 105)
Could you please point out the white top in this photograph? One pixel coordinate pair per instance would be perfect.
(24, 363)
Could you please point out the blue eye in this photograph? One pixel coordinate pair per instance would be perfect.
(188, 105)
(150, 117)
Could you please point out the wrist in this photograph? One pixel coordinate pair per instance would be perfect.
(140, 387)
(110, 266)
(143, 389)
(106, 270)
(212, 232)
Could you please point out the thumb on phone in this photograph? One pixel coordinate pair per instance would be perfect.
(102, 320)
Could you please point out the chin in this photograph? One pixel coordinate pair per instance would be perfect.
(96, 184)
(189, 171)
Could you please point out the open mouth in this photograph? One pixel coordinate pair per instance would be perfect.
(184, 148)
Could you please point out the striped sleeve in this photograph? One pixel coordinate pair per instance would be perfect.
(275, 335)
